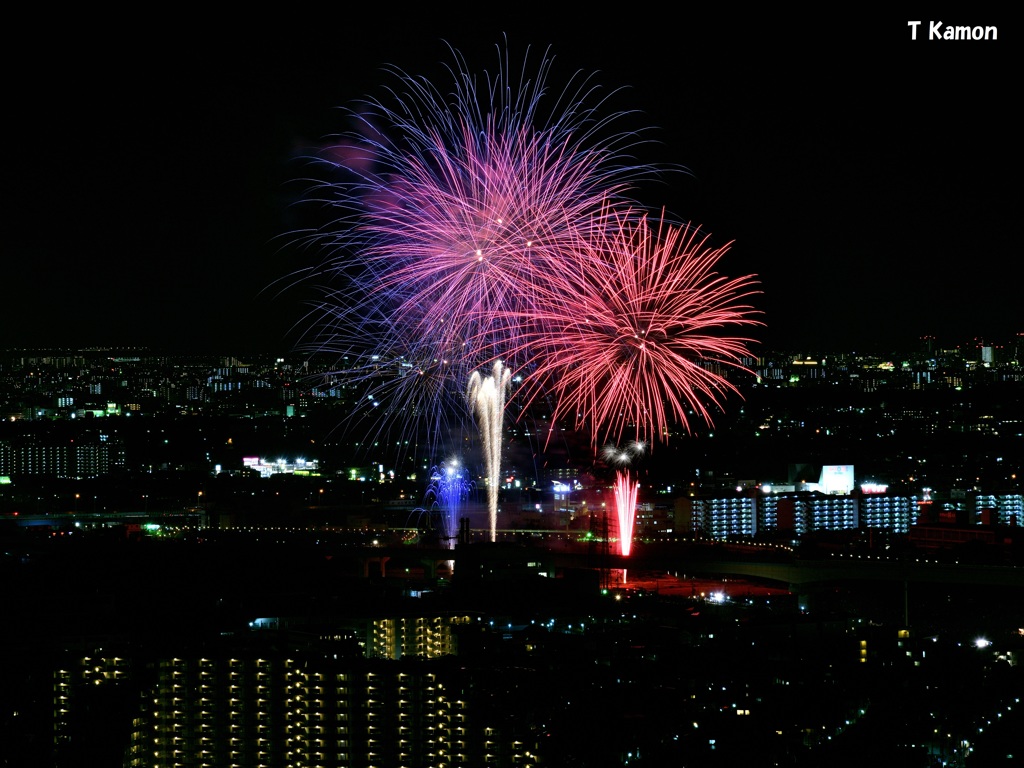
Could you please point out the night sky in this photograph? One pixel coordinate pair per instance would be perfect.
(869, 180)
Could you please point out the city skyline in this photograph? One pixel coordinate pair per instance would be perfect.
(938, 424)
(865, 195)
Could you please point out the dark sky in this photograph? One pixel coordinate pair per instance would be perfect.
(869, 180)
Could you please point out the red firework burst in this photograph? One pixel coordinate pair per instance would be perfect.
(634, 332)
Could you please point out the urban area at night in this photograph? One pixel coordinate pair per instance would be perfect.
(404, 388)
(203, 568)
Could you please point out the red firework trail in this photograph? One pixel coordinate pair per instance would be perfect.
(625, 505)
(633, 332)
(625, 490)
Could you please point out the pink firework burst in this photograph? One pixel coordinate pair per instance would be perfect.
(479, 229)
(493, 219)
(634, 334)
(454, 204)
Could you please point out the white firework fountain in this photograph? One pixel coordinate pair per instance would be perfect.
(487, 399)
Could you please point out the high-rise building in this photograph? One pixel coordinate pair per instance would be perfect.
(301, 702)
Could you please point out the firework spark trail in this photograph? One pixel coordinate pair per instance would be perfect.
(625, 489)
(487, 398)
(628, 335)
(625, 505)
(450, 490)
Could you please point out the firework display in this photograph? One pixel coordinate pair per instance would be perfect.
(625, 489)
(453, 204)
(625, 505)
(491, 224)
(627, 337)
(447, 494)
(487, 397)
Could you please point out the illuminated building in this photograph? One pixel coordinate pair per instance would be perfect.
(280, 466)
(299, 702)
(827, 513)
(884, 512)
(427, 637)
(1001, 508)
(722, 518)
(747, 515)
(83, 457)
(804, 512)
(653, 519)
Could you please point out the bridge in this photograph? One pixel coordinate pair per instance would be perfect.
(708, 559)
(556, 551)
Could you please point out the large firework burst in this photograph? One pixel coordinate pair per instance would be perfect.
(453, 205)
(633, 334)
(494, 221)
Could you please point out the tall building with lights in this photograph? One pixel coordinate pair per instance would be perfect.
(281, 700)
(804, 512)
